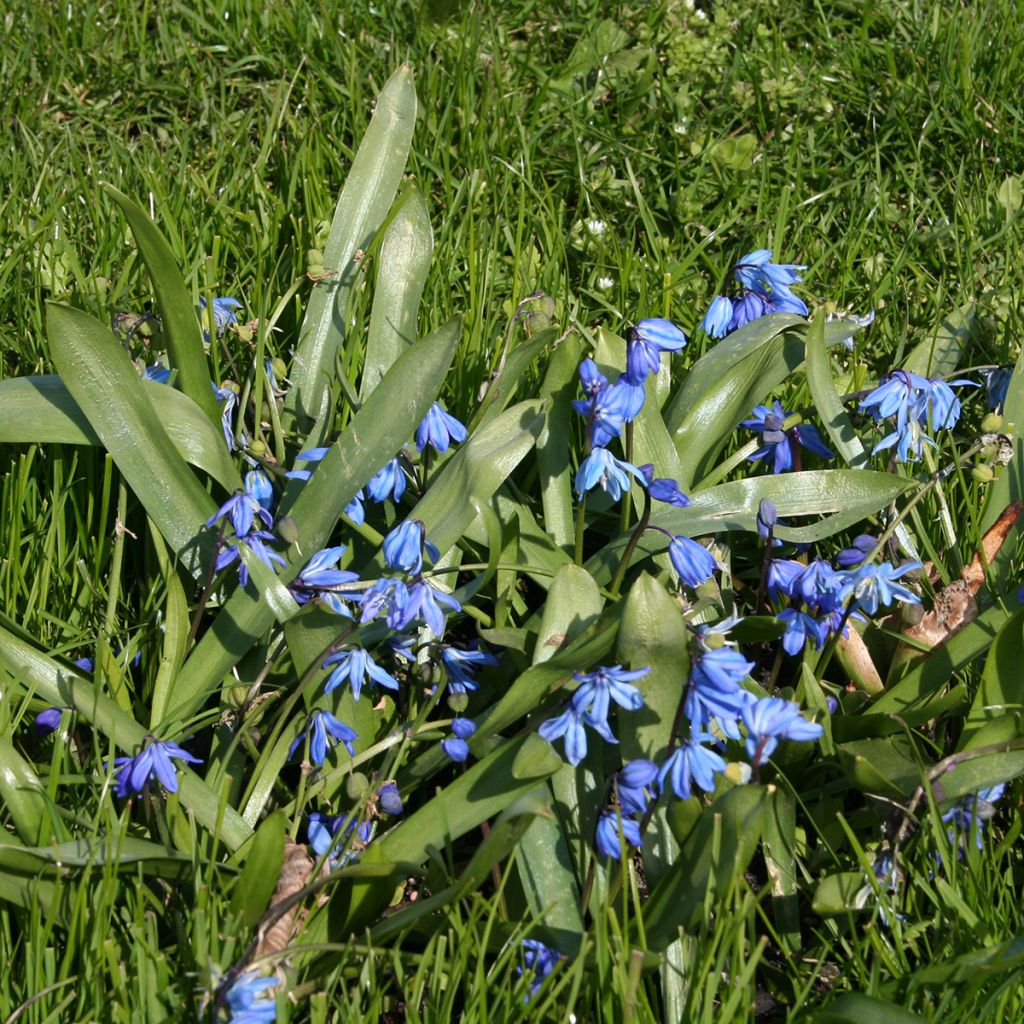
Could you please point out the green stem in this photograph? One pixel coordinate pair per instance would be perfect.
(627, 554)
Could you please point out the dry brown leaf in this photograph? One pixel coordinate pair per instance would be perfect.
(296, 873)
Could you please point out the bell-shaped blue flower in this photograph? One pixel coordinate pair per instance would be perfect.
(153, 761)
(356, 665)
(601, 467)
(439, 429)
(403, 547)
(324, 731)
(691, 763)
(614, 832)
(388, 482)
(771, 719)
(718, 319)
(692, 561)
(645, 344)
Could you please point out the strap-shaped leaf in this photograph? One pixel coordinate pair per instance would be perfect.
(102, 380)
(373, 436)
(365, 200)
(177, 312)
(40, 410)
(402, 266)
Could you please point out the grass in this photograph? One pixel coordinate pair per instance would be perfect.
(618, 158)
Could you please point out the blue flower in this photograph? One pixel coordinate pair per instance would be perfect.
(259, 487)
(457, 746)
(778, 447)
(997, 383)
(610, 827)
(715, 690)
(320, 580)
(255, 542)
(251, 1000)
(152, 761)
(223, 313)
(570, 725)
(355, 665)
(633, 785)
(462, 665)
(767, 517)
(718, 319)
(388, 482)
(229, 398)
(818, 585)
(601, 467)
(243, 507)
(663, 488)
(322, 831)
(645, 344)
(771, 719)
(690, 763)
(872, 586)
(157, 373)
(384, 597)
(973, 809)
(593, 383)
(389, 799)
(421, 601)
(692, 561)
(403, 547)
(783, 577)
(608, 408)
(861, 547)
(48, 720)
(354, 509)
(597, 689)
(800, 628)
(439, 429)
(324, 731)
(756, 272)
(538, 962)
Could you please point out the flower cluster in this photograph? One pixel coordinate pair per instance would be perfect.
(764, 287)
(918, 405)
(780, 447)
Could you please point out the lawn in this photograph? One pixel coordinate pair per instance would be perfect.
(328, 771)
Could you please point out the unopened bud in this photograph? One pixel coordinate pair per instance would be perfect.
(280, 368)
(458, 702)
(288, 529)
(982, 474)
(258, 448)
(356, 785)
(992, 424)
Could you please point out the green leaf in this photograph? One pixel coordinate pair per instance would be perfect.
(1002, 686)
(554, 457)
(373, 436)
(726, 384)
(843, 496)
(122, 853)
(264, 856)
(367, 196)
(101, 378)
(653, 634)
(177, 312)
(572, 607)
(841, 893)
(23, 795)
(853, 1008)
(880, 766)
(402, 265)
(40, 410)
(713, 860)
(780, 861)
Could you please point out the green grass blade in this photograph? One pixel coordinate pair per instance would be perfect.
(177, 312)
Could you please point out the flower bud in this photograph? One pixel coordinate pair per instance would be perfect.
(258, 448)
(982, 473)
(356, 785)
(992, 423)
(288, 529)
(457, 702)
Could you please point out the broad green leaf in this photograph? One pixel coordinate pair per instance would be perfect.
(476, 470)
(944, 349)
(61, 687)
(554, 457)
(971, 967)
(101, 378)
(780, 861)
(502, 388)
(854, 1008)
(123, 853)
(40, 410)
(177, 312)
(880, 766)
(713, 858)
(653, 634)
(725, 385)
(936, 669)
(1001, 692)
(263, 859)
(373, 436)
(841, 893)
(23, 795)
(402, 266)
(842, 496)
(176, 627)
(366, 197)
(573, 605)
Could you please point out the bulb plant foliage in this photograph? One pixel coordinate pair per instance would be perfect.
(643, 619)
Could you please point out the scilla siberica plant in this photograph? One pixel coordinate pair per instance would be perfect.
(391, 622)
